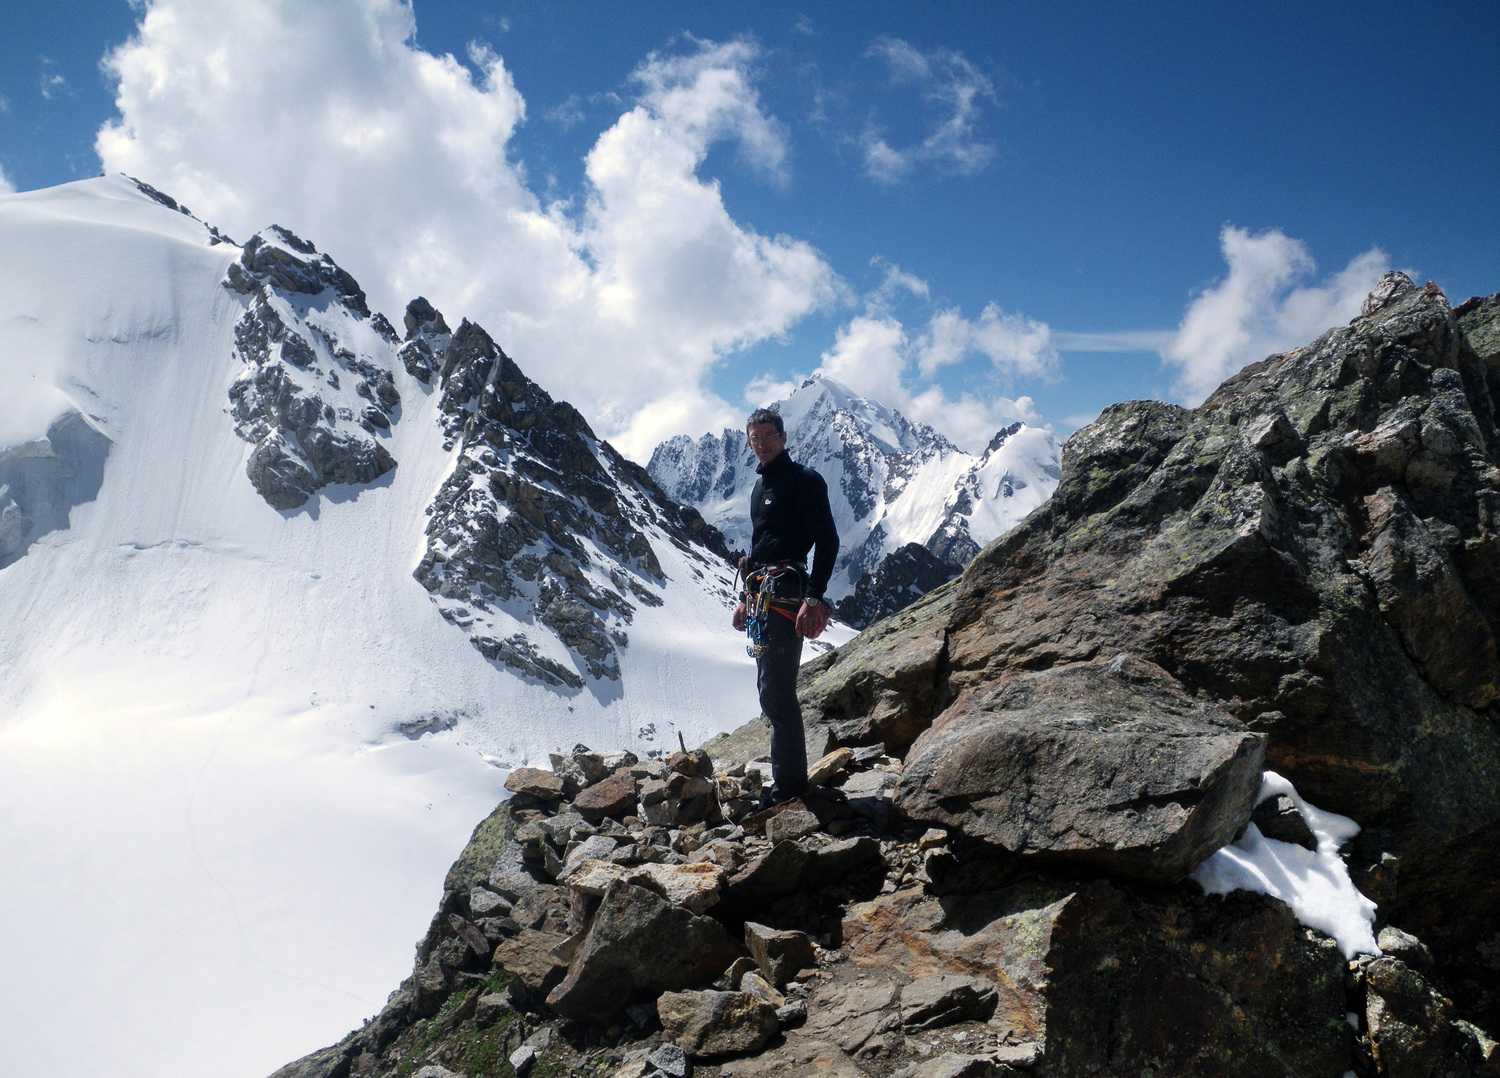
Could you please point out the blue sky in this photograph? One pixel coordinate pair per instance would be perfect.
(974, 212)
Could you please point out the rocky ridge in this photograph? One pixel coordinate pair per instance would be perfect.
(539, 526)
(1313, 551)
(891, 483)
(540, 522)
(1024, 765)
(312, 400)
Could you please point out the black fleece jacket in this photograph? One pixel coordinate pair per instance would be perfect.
(790, 515)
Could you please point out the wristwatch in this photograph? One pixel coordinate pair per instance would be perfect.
(815, 600)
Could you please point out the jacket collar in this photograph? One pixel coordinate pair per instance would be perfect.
(780, 462)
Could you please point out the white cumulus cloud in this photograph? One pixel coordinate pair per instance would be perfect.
(327, 119)
(875, 355)
(1262, 307)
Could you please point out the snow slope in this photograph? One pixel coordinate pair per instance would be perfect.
(220, 845)
(890, 481)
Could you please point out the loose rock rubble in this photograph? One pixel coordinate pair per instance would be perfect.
(674, 928)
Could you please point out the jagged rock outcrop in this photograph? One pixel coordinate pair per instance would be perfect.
(312, 400)
(427, 337)
(1315, 550)
(540, 522)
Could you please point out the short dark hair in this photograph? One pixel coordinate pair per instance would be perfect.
(766, 415)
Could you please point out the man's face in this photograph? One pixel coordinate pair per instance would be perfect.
(765, 443)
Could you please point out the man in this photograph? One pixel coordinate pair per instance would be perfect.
(790, 516)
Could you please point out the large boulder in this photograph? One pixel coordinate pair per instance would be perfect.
(1111, 764)
(638, 946)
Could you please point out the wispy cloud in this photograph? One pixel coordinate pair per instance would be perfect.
(1260, 308)
(1124, 340)
(326, 118)
(50, 83)
(952, 91)
(6, 187)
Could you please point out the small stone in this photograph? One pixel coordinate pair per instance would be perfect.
(945, 998)
(568, 773)
(950, 1065)
(696, 762)
(522, 1060)
(735, 974)
(618, 758)
(1023, 1055)
(635, 1067)
(819, 773)
(590, 763)
(712, 1023)
(755, 984)
(792, 1013)
(792, 824)
(485, 903)
(779, 954)
(670, 1060)
(610, 797)
(932, 838)
(1277, 817)
(1405, 946)
(489, 1008)
(533, 782)
(595, 848)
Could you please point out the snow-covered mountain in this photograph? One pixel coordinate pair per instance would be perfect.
(891, 482)
(280, 587)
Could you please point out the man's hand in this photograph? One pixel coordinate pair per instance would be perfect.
(812, 619)
(740, 613)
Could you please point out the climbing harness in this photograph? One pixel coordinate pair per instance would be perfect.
(771, 588)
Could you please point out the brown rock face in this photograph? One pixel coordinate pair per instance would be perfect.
(1114, 984)
(1109, 764)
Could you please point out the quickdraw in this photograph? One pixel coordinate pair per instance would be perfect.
(761, 586)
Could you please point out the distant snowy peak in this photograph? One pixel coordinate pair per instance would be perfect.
(1017, 472)
(891, 482)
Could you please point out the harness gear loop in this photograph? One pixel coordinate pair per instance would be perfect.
(762, 599)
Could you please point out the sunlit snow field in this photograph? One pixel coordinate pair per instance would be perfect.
(219, 847)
